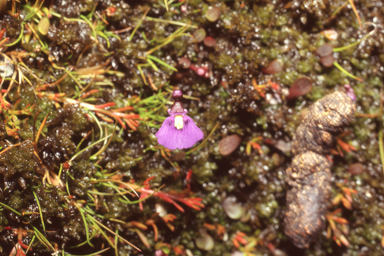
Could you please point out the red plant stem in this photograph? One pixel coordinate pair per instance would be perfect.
(109, 104)
(89, 93)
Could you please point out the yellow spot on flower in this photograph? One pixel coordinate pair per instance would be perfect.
(179, 124)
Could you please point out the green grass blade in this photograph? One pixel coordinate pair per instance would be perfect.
(30, 244)
(138, 24)
(85, 224)
(10, 208)
(42, 238)
(113, 233)
(153, 65)
(41, 213)
(160, 62)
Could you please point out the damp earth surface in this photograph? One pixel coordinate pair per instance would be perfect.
(85, 85)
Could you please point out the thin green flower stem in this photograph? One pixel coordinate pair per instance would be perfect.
(358, 41)
(202, 143)
(345, 71)
(339, 49)
(89, 16)
(184, 96)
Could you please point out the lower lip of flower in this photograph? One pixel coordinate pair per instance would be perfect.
(179, 123)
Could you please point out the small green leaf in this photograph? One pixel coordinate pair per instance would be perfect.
(43, 26)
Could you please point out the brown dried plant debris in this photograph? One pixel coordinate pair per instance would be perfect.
(310, 172)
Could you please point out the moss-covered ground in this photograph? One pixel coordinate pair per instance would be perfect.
(88, 85)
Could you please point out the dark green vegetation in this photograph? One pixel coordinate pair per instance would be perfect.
(66, 181)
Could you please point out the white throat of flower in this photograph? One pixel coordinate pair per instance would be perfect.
(179, 124)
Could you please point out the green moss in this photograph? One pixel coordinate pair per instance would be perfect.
(304, 66)
(249, 35)
(18, 159)
(16, 201)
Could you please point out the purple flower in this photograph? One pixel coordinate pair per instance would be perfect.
(350, 92)
(178, 131)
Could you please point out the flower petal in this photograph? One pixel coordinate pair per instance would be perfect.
(165, 131)
(172, 138)
(192, 133)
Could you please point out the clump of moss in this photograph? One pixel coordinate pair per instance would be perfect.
(236, 95)
(18, 159)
